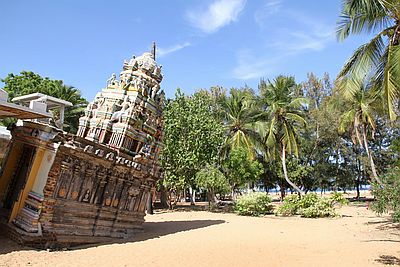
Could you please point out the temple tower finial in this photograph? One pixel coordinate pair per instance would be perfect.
(153, 50)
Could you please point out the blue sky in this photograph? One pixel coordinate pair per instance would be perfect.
(201, 43)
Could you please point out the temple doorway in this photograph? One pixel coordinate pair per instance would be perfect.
(20, 176)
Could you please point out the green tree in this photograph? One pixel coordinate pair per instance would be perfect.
(240, 169)
(285, 116)
(192, 139)
(213, 180)
(239, 115)
(28, 82)
(388, 196)
(359, 118)
(380, 57)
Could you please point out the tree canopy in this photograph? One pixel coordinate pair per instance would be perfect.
(28, 82)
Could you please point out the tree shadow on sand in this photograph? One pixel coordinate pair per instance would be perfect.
(150, 230)
(158, 229)
(388, 260)
(153, 230)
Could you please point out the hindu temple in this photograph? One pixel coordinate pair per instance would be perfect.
(59, 188)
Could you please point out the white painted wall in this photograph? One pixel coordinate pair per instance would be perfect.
(43, 172)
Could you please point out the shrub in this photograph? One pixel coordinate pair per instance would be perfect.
(338, 199)
(387, 196)
(310, 205)
(254, 204)
(322, 207)
(289, 207)
(308, 200)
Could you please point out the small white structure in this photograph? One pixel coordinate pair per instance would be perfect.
(10, 110)
(44, 103)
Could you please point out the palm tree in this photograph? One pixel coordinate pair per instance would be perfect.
(28, 82)
(379, 58)
(359, 117)
(284, 114)
(239, 115)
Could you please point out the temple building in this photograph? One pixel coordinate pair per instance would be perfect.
(59, 189)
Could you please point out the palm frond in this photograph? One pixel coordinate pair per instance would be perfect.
(364, 58)
(362, 16)
(391, 82)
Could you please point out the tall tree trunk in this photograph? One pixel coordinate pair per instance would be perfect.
(164, 197)
(358, 180)
(283, 158)
(192, 196)
(211, 196)
(283, 191)
(371, 160)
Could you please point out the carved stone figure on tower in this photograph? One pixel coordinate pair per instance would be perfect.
(112, 80)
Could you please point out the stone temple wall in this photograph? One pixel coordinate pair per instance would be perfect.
(91, 194)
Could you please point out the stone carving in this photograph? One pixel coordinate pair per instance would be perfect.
(112, 81)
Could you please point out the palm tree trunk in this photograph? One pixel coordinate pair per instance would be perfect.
(283, 158)
(371, 160)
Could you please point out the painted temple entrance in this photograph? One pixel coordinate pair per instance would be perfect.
(18, 180)
(58, 188)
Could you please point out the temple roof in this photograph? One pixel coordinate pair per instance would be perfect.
(51, 102)
(10, 110)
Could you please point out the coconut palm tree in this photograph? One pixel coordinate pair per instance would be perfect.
(379, 58)
(359, 116)
(284, 114)
(239, 114)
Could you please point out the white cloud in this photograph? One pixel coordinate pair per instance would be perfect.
(217, 15)
(168, 50)
(254, 67)
(270, 7)
(299, 41)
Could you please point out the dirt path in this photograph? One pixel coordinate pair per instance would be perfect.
(209, 239)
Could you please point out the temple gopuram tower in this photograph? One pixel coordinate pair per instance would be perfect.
(126, 115)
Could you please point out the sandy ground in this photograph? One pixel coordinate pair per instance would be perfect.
(359, 238)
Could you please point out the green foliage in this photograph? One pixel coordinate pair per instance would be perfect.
(322, 207)
(241, 169)
(283, 118)
(338, 198)
(378, 58)
(254, 204)
(212, 179)
(310, 205)
(192, 138)
(28, 82)
(289, 207)
(387, 196)
(239, 113)
(308, 200)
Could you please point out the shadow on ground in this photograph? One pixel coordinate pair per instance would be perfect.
(388, 260)
(7, 246)
(151, 230)
(158, 229)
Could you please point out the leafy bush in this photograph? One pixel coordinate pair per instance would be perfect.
(289, 207)
(387, 196)
(338, 198)
(310, 205)
(308, 200)
(322, 207)
(254, 204)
